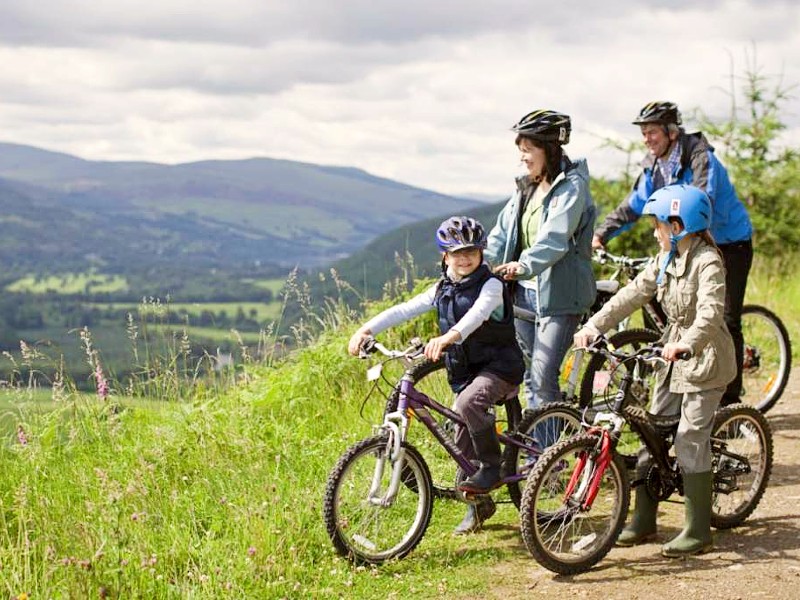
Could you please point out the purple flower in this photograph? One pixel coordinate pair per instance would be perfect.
(102, 383)
(21, 437)
(251, 551)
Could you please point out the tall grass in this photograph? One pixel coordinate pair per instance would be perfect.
(219, 494)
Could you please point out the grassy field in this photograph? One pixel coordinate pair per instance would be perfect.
(260, 311)
(221, 496)
(274, 285)
(70, 283)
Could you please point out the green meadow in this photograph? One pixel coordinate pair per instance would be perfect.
(69, 283)
(220, 495)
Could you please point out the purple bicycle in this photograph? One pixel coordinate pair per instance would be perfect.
(379, 496)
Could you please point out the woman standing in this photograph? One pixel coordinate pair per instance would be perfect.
(542, 241)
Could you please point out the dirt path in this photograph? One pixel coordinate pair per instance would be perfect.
(761, 559)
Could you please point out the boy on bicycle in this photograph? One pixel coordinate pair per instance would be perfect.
(688, 278)
(483, 360)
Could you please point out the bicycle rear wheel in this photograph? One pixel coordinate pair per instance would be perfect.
(560, 534)
(540, 427)
(767, 357)
(363, 523)
(741, 447)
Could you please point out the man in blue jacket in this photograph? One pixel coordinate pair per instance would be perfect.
(679, 157)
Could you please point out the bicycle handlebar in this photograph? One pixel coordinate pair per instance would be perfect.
(604, 256)
(524, 314)
(651, 353)
(371, 346)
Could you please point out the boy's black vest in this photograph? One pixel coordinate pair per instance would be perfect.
(492, 347)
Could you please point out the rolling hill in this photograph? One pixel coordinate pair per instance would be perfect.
(60, 211)
(368, 269)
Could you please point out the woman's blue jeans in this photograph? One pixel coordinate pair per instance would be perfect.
(544, 344)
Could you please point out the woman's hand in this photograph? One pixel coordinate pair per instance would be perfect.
(354, 345)
(437, 345)
(673, 350)
(510, 270)
(584, 337)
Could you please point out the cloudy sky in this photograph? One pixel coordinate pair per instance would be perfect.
(415, 90)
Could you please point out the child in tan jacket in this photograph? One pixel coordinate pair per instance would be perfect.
(688, 278)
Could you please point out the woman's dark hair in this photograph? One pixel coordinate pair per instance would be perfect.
(554, 155)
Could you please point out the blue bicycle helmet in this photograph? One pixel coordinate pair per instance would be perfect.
(457, 233)
(689, 203)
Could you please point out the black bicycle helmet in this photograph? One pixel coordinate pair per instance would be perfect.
(662, 113)
(457, 233)
(545, 125)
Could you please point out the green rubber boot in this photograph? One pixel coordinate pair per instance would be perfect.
(642, 527)
(696, 535)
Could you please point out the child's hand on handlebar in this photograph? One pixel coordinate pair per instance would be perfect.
(673, 351)
(584, 337)
(436, 346)
(357, 340)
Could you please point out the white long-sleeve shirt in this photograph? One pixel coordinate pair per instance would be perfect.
(489, 300)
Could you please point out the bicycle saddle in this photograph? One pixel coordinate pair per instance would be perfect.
(663, 424)
(608, 286)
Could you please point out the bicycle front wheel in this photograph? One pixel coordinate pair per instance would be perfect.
(364, 522)
(767, 357)
(560, 533)
(540, 428)
(741, 448)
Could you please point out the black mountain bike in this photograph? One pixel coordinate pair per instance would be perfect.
(577, 497)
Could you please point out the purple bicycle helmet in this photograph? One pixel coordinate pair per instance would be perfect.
(457, 233)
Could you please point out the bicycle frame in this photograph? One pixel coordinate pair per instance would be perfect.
(396, 424)
(608, 439)
(653, 315)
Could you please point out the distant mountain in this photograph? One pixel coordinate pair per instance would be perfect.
(368, 269)
(59, 211)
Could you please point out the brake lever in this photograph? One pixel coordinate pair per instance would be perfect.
(367, 347)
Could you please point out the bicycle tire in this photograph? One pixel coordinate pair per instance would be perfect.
(557, 531)
(738, 488)
(635, 338)
(767, 357)
(367, 532)
(557, 420)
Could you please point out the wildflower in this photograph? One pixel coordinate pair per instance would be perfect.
(21, 437)
(102, 383)
(251, 551)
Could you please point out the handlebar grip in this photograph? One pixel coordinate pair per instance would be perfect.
(368, 346)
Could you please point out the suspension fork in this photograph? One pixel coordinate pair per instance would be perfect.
(395, 424)
(590, 482)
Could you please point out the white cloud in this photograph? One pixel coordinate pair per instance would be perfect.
(417, 91)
